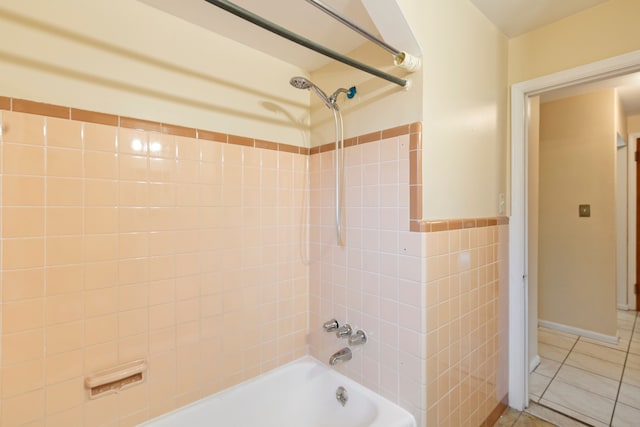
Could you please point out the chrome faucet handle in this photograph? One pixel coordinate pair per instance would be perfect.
(344, 331)
(330, 325)
(359, 338)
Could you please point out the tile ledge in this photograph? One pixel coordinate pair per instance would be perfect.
(432, 226)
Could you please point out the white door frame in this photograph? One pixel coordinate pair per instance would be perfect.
(631, 218)
(518, 269)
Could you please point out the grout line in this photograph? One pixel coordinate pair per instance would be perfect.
(624, 367)
(582, 422)
(561, 365)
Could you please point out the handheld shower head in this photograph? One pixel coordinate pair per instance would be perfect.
(303, 83)
(300, 82)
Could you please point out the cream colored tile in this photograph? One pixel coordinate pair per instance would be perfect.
(631, 376)
(635, 347)
(633, 361)
(585, 380)
(629, 395)
(621, 345)
(537, 385)
(552, 416)
(581, 404)
(595, 365)
(552, 352)
(601, 352)
(555, 338)
(625, 416)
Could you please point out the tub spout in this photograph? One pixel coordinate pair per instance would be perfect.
(340, 356)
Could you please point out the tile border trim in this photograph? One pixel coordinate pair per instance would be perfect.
(86, 116)
(432, 226)
(414, 130)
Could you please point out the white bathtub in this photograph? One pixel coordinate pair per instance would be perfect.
(300, 394)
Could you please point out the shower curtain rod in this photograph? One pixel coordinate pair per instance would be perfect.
(364, 33)
(291, 36)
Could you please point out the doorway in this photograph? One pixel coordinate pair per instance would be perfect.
(518, 238)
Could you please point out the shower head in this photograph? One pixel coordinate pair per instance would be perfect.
(300, 83)
(303, 83)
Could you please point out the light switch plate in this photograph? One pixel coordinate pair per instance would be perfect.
(584, 210)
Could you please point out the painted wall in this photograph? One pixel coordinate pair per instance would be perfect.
(600, 32)
(577, 270)
(633, 123)
(130, 59)
(377, 105)
(464, 108)
(463, 111)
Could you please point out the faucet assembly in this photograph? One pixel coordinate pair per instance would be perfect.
(359, 338)
(344, 331)
(330, 325)
(340, 356)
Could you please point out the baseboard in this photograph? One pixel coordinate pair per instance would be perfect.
(624, 307)
(533, 364)
(609, 339)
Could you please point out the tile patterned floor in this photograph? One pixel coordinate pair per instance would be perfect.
(590, 381)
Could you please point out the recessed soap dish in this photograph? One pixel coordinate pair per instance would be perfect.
(112, 380)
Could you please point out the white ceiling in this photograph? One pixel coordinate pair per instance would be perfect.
(512, 17)
(516, 17)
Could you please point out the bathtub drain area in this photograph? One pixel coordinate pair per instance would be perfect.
(342, 396)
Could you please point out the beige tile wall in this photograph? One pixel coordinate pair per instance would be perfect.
(188, 248)
(119, 244)
(374, 280)
(467, 325)
(433, 299)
